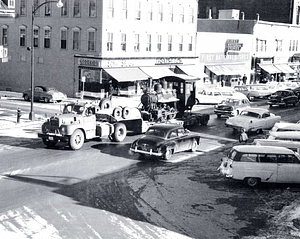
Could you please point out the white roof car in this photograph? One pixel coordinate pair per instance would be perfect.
(285, 127)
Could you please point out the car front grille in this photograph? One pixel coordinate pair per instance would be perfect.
(54, 122)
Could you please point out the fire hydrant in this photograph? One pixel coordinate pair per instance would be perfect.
(18, 115)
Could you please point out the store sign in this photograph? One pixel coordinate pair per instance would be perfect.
(222, 58)
(89, 62)
(168, 60)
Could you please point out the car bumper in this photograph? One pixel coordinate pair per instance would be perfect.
(135, 150)
(54, 137)
(224, 112)
(276, 103)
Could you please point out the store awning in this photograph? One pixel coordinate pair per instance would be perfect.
(127, 74)
(157, 72)
(284, 68)
(229, 69)
(193, 70)
(270, 68)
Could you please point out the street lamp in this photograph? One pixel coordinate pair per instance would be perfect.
(59, 4)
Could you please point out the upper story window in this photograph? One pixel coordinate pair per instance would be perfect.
(171, 13)
(76, 8)
(124, 9)
(180, 43)
(48, 8)
(23, 7)
(190, 48)
(4, 35)
(36, 3)
(160, 12)
(110, 12)
(148, 44)
(169, 43)
(110, 41)
(123, 42)
(76, 37)
(191, 20)
(261, 45)
(36, 36)
(91, 39)
(63, 38)
(92, 8)
(22, 36)
(159, 40)
(47, 37)
(137, 42)
(293, 45)
(278, 45)
(137, 10)
(64, 8)
(150, 12)
(181, 14)
(11, 3)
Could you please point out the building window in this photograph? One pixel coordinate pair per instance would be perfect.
(169, 43)
(23, 36)
(110, 12)
(137, 42)
(181, 14)
(278, 45)
(159, 39)
(190, 44)
(63, 38)
(180, 43)
(23, 7)
(76, 8)
(124, 9)
(4, 35)
(148, 44)
(47, 37)
(160, 12)
(76, 39)
(261, 45)
(64, 9)
(171, 13)
(137, 10)
(298, 16)
(36, 3)
(293, 45)
(92, 8)
(109, 41)
(91, 39)
(11, 3)
(36, 37)
(150, 12)
(123, 42)
(191, 15)
(48, 8)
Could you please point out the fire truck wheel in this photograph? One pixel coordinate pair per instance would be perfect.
(26, 98)
(77, 139)
(105, 104)
(49, 143)
(120, 132)
(117, 113)
(125, 112)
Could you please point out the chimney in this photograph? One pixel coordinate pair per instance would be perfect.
(243, 15)
(257, 16)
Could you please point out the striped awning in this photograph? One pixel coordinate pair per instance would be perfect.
(229, 69)
(126, 74)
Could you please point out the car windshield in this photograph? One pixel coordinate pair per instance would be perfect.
(72, 108)
(280, 93)
(156, 132)
(232, 153)
(250, 114)
(51, 88)
(227, 93)
(231, 102)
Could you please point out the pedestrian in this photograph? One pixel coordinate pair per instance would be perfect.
(243, 138)
(244, 79)
(110, 91)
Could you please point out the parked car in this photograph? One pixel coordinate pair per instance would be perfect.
(251, 94)
(284, 126)
(253, 120)
(255, 164)
(163, 140)
(260, 91)
(46, 94)
(231, 107)
(283, 98)
(217, 95)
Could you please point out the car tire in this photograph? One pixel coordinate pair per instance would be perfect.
(252, 182)
(46, 100)
(105, 104)
(120, 132)
(49, 143)
(251, 98)
(194, 145)
(168, 154)
(219, 115)
(117, 113)
(76, 139)
(26, 97)
(125, 112)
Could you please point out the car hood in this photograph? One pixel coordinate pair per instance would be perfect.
(240, 121)
(65, 119)
(150, 140)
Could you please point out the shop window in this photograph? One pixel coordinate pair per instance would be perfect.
(36, 36)
(171, 13)
(22, 36)
(92, 8)
(137, 10)
(76, 8)
(137, 43)
(150, 12)
(63, 38)
(191, 15)
(36, 3)
(109, 41)
(91, 39)
(110, 13)
(123, 42)
(76, 39)
(181, 14)
(47, 37)
(148, 44)
(180, 43)
(4, 35)
(22, 7)
(64, 8)
(169, 43)
(160, 12)
(47, 9)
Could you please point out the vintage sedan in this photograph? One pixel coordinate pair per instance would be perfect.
(253, 120)
(231, 107)
(283, 98)
(46, 94)
(163, 140)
